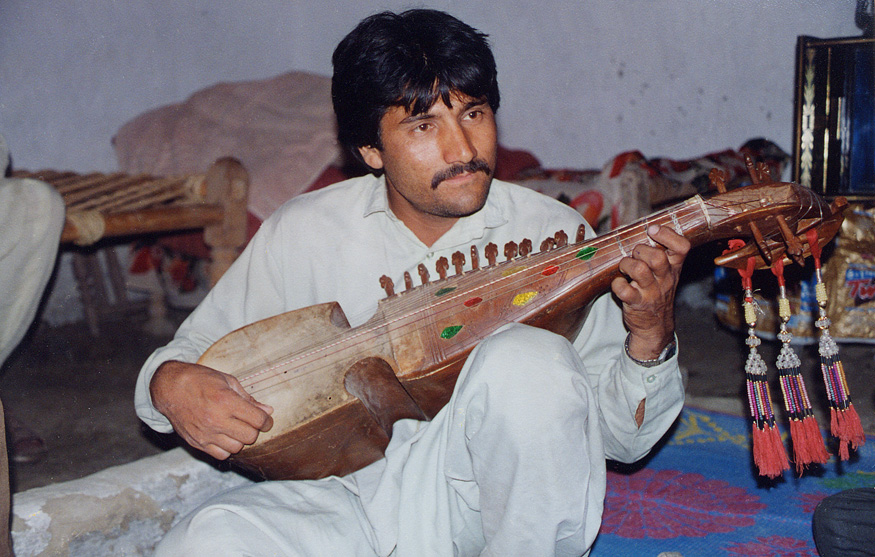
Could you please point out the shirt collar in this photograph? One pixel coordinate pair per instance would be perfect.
(377, 200)
(466, 229)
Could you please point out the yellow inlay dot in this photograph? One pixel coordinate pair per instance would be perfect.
(524, 298)
(513, 270)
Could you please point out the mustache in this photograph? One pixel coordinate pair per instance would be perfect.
(476, 165)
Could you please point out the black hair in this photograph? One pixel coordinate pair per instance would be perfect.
(410, 59)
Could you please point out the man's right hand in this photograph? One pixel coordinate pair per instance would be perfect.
(208, 408)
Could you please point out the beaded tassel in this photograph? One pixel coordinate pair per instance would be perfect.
(844, 422)
(769, 454)
(808, 445)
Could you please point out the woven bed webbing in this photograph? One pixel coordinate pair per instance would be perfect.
(91, 199)
(117, 192)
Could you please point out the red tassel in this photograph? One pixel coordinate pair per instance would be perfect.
(846, 427)
(769, 453)
(844, 422)
(808, 445)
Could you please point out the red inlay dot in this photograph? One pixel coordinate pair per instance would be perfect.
(550, 270)
(471, 302)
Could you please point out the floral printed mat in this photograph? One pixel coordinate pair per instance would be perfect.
(699, 495)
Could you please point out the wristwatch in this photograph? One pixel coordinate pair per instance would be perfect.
(670, 350)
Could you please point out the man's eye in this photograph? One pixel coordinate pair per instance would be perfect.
(474, 114)
(423, 127)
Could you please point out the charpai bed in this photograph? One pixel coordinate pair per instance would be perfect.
(120, 205)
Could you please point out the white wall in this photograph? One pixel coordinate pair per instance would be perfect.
(581, 81)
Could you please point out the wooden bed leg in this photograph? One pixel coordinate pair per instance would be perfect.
(227, 183)
(92, 291)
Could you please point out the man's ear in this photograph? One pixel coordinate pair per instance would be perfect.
(372, 156)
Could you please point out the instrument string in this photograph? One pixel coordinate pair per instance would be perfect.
(606, 246)
(496, 288)
(413, 312)
(607, 259)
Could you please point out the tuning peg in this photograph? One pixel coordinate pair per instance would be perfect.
(763, 172)
(510, 250)
(718, 180)
(548, 244)
(561, 239)
(423, 273)
(760, 242)
(491, 253)
(387, 285)
(408, 281)
(525, 247)
(795, 250)
(458, 262)
(752, 170)
(442, 265)
(581, 234)
(737, 255)
(475, 258)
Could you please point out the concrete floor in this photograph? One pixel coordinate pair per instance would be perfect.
(77, 390)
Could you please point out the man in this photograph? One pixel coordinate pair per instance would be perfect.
(31, 219)
(515, 463)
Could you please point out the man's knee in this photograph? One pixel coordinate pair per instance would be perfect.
(213, 530)
(525, 354)
(35, 203)
(526, 376)
(45, 203)
(195, 531)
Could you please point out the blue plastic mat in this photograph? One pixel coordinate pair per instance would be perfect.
(699, 495)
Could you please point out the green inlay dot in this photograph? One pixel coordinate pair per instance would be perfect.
(445, 290)
(450, 332)
(586, 253)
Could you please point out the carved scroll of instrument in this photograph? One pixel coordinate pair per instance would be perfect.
(337, 390)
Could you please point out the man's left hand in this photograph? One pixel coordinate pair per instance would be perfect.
(647, 290)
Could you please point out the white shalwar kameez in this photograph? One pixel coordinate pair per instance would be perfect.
(31, 219)
(513, 465)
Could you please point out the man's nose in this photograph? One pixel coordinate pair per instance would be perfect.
(457, 145)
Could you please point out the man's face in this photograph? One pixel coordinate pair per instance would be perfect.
(438, 164)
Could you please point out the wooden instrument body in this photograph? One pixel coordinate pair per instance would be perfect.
(336, 390)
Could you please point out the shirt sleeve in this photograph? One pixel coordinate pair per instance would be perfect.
(621, 384)
(250, 290)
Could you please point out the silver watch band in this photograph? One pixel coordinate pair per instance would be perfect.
(667, 352)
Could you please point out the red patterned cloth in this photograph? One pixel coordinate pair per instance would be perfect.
(630, 186)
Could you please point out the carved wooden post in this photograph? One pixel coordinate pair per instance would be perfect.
(226, 183)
